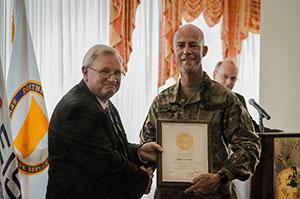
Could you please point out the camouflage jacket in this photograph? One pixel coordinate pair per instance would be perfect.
(234, 145)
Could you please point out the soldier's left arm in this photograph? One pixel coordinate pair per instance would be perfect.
(243, 143)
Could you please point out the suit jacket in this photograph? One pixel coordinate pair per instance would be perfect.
(89, 157)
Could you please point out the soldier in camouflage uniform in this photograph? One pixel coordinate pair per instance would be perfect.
(235, 147)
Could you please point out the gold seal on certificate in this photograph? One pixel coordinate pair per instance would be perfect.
(186, 148)
(184, 141)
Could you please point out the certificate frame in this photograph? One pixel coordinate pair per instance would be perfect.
(186, 151)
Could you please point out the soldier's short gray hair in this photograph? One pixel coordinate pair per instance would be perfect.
(193, 28)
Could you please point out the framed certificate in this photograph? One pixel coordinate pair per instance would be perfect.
(186, 148)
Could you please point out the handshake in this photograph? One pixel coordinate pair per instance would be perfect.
(150, 171)
(148, 152)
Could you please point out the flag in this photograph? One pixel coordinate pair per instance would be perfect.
(10, 183)
(27, 110)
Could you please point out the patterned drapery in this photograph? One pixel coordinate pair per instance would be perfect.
(239, 17)
(122, 17)
(170, 22)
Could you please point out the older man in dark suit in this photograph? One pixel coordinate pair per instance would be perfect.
(89, 154)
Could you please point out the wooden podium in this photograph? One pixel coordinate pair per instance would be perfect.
(278, 173)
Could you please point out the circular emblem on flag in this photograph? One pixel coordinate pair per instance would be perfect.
(29, 126)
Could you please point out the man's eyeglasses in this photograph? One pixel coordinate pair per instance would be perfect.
(107, 74)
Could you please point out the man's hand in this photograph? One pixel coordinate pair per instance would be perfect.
(148, 151)
(149, 170)
(204, 183)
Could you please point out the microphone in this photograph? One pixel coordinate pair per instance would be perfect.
(260, 110)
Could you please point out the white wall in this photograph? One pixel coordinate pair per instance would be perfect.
(280, 65)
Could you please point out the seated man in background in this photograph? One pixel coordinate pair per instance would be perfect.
(89, 155)
(226, 73)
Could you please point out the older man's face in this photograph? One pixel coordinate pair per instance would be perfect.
(104, 77)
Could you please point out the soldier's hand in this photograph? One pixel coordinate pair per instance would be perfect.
(204, 183)
(149, 151)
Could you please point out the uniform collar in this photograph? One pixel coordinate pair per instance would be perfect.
(203, 84)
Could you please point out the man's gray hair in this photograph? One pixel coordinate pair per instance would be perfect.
(225, 60)
(218, 65)
(99, 49)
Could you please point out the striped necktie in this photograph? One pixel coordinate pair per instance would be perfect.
(117, 130)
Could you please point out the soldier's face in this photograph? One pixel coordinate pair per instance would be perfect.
(188, 50)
